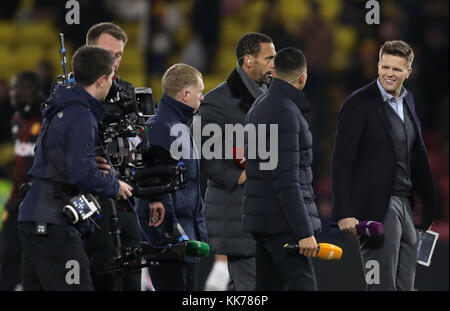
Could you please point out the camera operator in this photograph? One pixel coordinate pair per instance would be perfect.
(64, 167)
(100, 246)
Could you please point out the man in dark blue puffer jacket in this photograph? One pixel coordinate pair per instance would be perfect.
(279, 203)
(64, 166)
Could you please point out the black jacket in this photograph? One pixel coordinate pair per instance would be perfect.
(362, 169)
(280, 201)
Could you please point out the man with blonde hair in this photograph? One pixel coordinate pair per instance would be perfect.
(182, 77)
(183, 91)
(379, 166)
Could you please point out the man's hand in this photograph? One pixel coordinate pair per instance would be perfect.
(102, 164)
(124, 190)
(157, 213)
(424, 230)
(242, 178)
(308, 246)
(348, 225)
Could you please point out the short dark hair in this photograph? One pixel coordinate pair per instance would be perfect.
(289, 60)
(107, 27)
(398, 48)
(29, 80)
(250, 44)
(91, 62)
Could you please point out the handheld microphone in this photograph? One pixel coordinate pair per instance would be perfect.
(187, 248)
(239, 157)
(196, 249)
(367, 228)
(326, 251)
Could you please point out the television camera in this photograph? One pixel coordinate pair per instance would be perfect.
(150, 170)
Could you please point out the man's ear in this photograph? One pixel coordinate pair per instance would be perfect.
(101, 81)
(248, 60)
(409, 72)
(186, 93)
(303, 77)
(182, 95)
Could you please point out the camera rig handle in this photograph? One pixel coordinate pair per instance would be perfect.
(115, 230)
(149, 181)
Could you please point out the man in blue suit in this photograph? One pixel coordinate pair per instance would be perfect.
(183, 91)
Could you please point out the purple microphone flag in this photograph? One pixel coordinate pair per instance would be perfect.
(369, 228)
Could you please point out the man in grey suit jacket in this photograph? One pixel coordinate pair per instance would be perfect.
(228, 103)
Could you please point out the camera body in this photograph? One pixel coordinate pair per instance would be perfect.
(150, 170)
(124, 99)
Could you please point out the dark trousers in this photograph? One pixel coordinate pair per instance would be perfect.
(279, 269)
(55, 261)
(389, 262)
(100, 248)
(242, 273)
(11, 254)
(174, 276)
